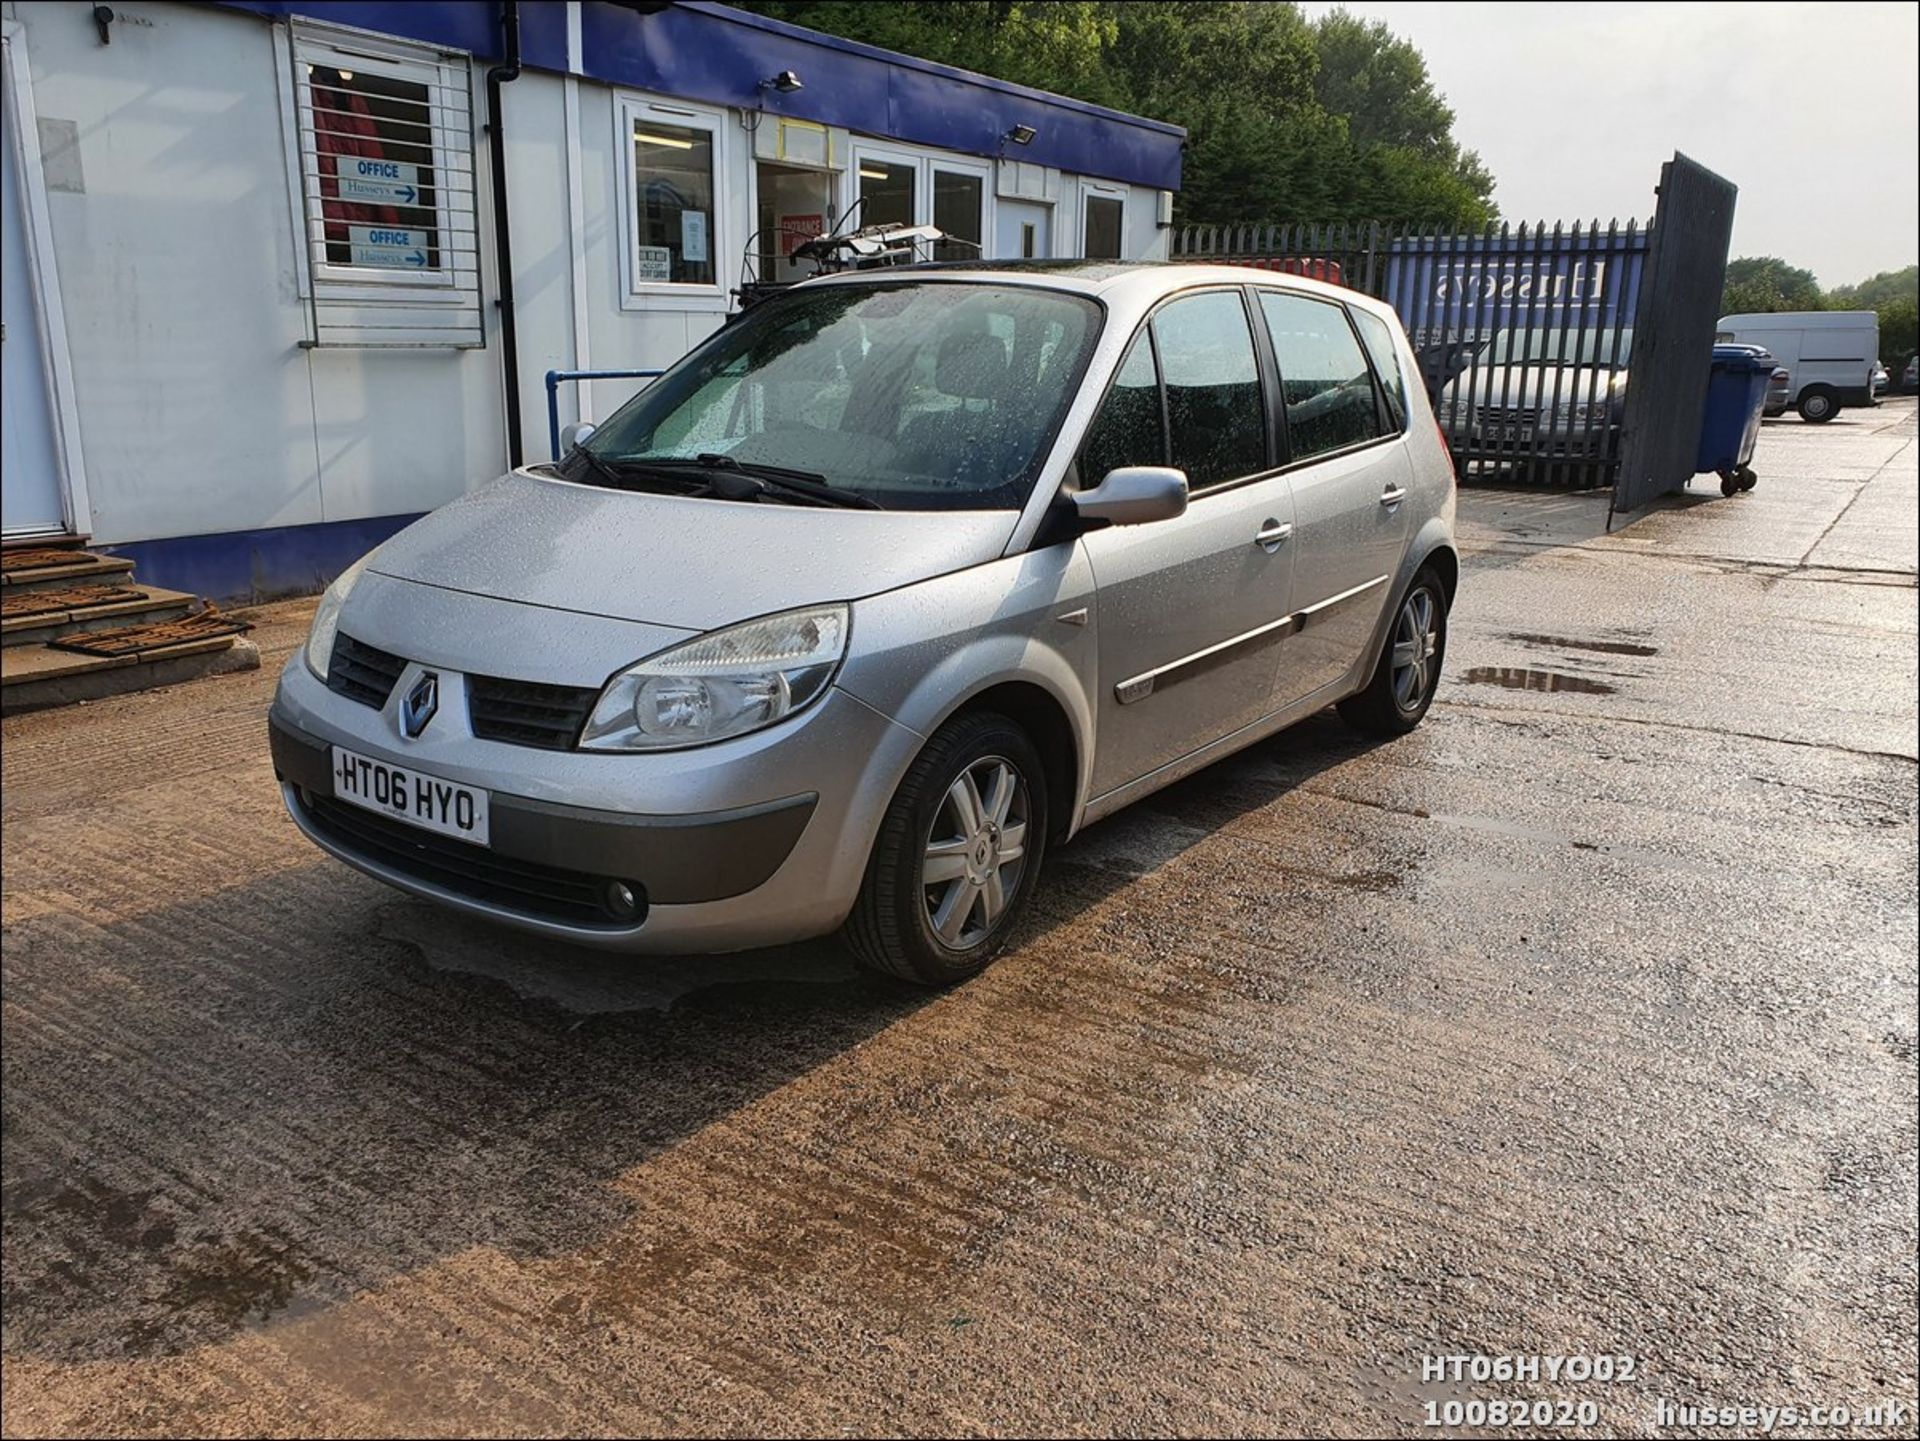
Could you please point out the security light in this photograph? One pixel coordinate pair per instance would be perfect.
(1022, 134)
(786, 82)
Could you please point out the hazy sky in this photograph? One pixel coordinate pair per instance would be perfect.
(1809, 109)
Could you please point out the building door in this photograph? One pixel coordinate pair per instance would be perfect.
(1025, 231)
(1103, 221)
(30, 489)
(796, 205)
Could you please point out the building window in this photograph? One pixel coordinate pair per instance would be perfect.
(386, 182)
(957, 200)
(886, 194)
(673, 204)
(1102, 239)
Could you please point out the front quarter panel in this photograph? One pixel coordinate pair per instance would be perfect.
(920, 653)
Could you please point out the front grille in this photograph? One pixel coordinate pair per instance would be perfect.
(1508, 415)
(526, 713)
(528, 887)
(362, 672)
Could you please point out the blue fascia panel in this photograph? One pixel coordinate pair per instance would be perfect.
(712, 53)
(470, 25)
(720, 55)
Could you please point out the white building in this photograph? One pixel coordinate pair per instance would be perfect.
(254, 260)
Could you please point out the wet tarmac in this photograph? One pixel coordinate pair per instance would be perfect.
(1581, 1021)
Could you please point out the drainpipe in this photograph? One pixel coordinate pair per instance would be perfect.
(497, 77)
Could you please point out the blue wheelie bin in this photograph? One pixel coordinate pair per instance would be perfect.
(1736, 393)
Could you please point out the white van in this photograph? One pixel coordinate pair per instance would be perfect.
(1830, 354)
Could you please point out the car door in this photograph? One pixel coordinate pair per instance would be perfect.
(1188, 609)
(1349, 475)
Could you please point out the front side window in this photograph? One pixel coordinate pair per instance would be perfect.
(1216, 420)
(1324, 379)
(918, 396)
(1129, 429)
(673, 203)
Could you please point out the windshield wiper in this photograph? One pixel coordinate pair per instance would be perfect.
(619, 478)
(796, 482)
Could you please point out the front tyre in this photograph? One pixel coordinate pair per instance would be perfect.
(1409, 670)
(957, 855)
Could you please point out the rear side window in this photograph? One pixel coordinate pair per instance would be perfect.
(1128, 429)
(1377, 335)
(1323, 376)
(1215, 419)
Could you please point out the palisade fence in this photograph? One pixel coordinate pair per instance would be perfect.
(1523, 333)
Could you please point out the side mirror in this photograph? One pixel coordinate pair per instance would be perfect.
(574, 434)
(1134, 495)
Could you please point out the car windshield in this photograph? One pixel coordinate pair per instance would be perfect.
(1561, 347)
(924, 395)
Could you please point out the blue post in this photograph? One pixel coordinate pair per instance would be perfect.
(554, 377)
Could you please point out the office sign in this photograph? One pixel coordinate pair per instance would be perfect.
(396, 247)
(384, 182)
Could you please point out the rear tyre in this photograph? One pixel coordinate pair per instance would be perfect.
(1818, 405)
(1729, 482)
(957, 855)
(1409, 670)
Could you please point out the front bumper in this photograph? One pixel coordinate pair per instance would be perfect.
(1497, 442)
(756, 841)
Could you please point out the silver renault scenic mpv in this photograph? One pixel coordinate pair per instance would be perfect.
(890, 585)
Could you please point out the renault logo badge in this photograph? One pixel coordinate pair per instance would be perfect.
(419, 704)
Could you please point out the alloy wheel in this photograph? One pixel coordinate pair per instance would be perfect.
(975, 852)
(1416, 648)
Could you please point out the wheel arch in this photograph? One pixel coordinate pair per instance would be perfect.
(1037, 711)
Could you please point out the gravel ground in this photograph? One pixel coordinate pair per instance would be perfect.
(1581, 1021)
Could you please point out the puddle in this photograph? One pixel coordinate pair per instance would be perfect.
(1564, 642)
(1524, 678)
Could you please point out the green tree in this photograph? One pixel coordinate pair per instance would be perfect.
(1767, 283)
(1877, 290)
(1286, 119)
(1899, 330)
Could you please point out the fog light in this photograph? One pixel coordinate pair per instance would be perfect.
(621, 902)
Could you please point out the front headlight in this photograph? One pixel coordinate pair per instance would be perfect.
(326, 619)
(722, 684)
(1579, 412)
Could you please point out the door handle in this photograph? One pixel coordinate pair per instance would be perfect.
(1272, 533)
(1393, 495)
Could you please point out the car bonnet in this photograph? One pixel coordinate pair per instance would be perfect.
(694, 564)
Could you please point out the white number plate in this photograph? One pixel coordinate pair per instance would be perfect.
(420, 800)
